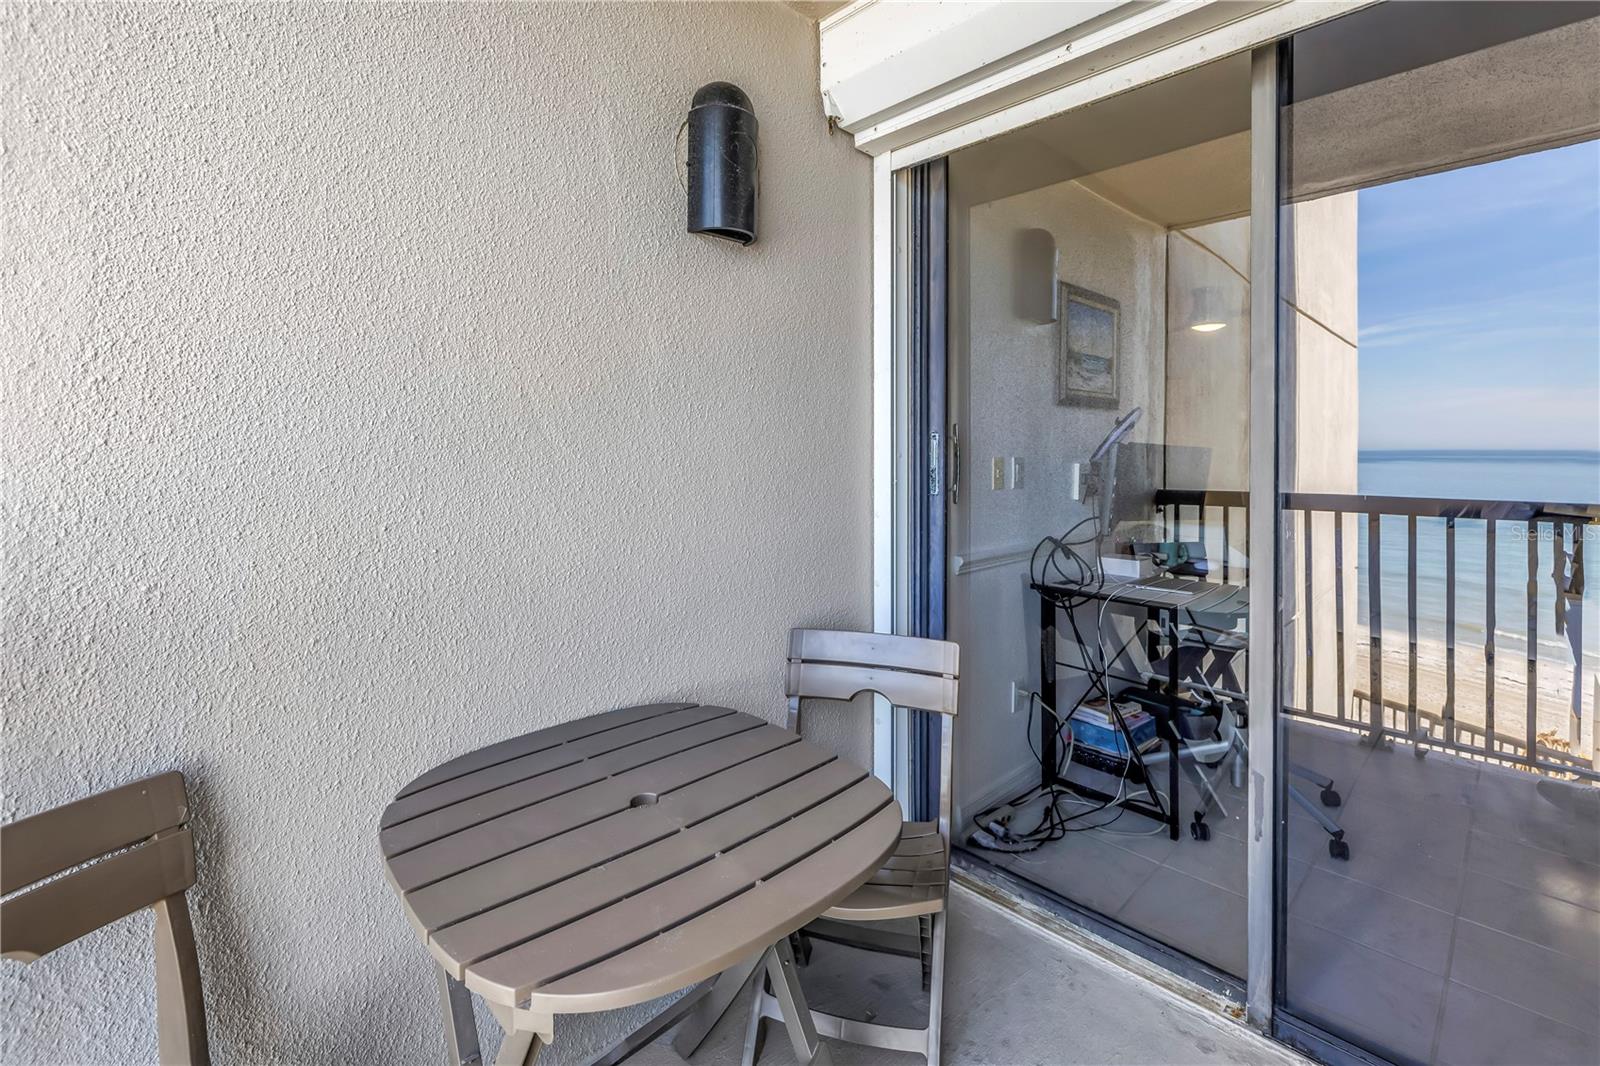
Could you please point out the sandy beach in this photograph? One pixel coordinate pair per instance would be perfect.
(1510, 688)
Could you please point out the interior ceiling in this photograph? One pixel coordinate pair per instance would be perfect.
(1201, 183)
(1177, 152)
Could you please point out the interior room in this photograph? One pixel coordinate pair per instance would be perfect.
(1100, 361)
(1099, 290)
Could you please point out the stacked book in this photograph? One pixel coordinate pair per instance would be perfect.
(1093, 726)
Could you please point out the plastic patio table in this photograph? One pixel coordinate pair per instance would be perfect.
(608, 861)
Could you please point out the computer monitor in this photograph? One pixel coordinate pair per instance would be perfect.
(1139, 472)
(1103, 464)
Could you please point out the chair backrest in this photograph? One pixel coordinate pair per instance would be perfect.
(908, 671)
(140, 836)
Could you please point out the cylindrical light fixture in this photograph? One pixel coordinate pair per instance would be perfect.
(722, 163)
(1209, 311)
(1034, 275)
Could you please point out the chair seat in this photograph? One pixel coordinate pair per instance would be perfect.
(910, 883)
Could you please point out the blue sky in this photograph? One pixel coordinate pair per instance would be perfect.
(1480, 306)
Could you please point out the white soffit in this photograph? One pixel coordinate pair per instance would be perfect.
(897, 74)
(876, 54)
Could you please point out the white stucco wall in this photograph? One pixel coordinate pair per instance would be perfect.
(366, 403)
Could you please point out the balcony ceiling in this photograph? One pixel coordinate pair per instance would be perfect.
(1177, 152)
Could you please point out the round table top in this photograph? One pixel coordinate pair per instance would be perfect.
(607, 861)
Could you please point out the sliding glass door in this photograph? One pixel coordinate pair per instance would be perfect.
(1247, 439)
(1439, 354)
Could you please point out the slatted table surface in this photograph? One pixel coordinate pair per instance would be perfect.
(607, 861)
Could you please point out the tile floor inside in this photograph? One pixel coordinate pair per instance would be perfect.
(1015, 995)
(1464, 927)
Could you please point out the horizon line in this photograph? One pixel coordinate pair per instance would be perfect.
(1479, 451)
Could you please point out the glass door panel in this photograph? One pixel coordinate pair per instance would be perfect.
(1099, 390)
(1440, 470)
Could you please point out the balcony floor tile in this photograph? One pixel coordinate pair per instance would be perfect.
(1480, 1030)
(1532, 977)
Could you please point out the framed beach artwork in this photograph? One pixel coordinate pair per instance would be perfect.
(1087, 360)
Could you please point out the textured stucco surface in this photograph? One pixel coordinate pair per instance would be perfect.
(366, 402)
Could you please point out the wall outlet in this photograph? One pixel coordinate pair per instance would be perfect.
(997, 476)
(1021, 697)
(1016, 471)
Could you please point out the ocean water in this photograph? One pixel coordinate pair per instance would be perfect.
(1546, 477)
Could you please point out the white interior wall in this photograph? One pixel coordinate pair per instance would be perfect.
(367, 403)
(1208, 387)
(1003, 385)
(1194, 387)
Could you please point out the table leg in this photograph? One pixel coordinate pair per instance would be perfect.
(518, 1049)
(692, 1031)
(520, 1045)
(808, 1047)
(460, 1022)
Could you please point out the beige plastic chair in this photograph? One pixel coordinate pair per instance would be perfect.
(146, 859)
(909, 672)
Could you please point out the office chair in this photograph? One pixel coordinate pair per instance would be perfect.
(1206, 659)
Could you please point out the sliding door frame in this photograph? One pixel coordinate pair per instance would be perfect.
(900, 466)
(1264, 848)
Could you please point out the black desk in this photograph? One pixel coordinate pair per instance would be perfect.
(1163, 601)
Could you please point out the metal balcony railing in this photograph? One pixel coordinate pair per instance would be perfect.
(1210, 516)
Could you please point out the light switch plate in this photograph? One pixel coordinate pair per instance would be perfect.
(997, 477)
(1016, 471)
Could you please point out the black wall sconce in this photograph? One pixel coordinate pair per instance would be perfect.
(722, 163)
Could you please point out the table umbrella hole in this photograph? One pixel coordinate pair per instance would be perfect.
(643, 799)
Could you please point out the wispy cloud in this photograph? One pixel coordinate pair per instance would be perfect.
(1556, 187)
(1479, 306)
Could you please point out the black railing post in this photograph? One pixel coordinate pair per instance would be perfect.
(1488, 636)
(1533, 641)
(1311, 632)
(1411, 632)
(1374, 627)
(1227, 542)
(1450, 630)
(1338, 607)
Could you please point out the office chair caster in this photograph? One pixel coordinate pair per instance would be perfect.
(1198, 828)
(1330, 798)
(1338, 848)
